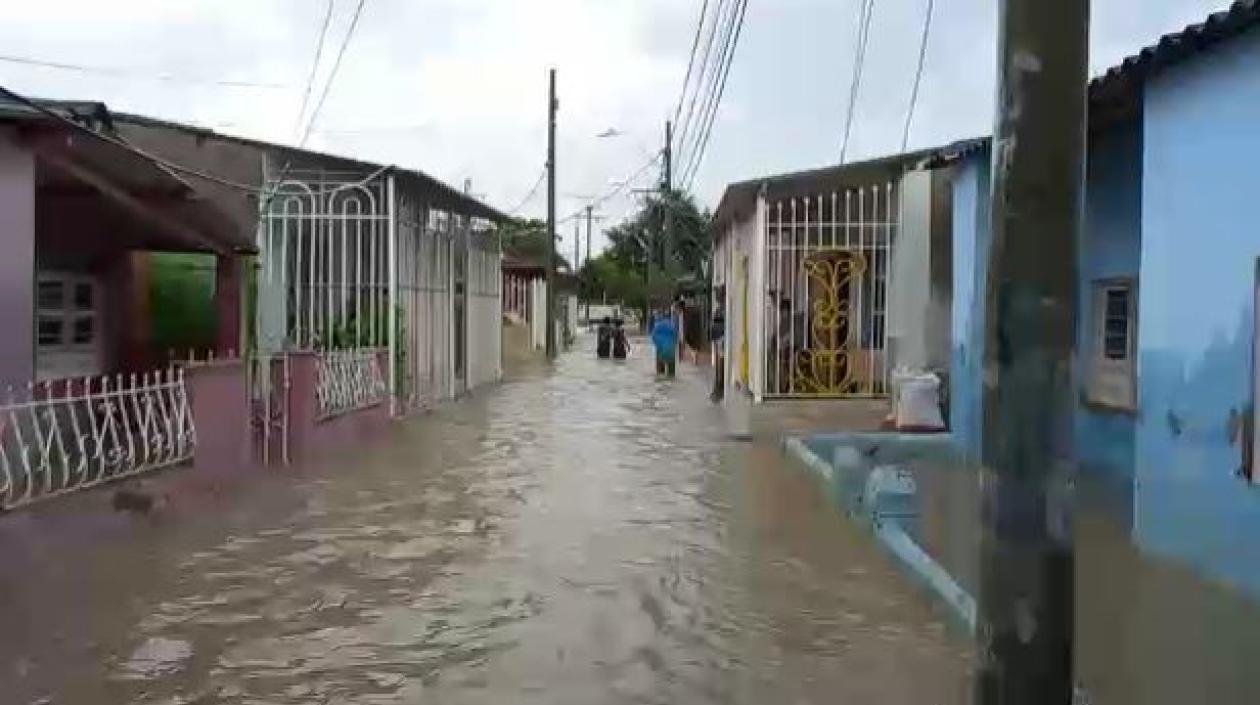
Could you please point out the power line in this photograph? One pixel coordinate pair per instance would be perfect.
(332, 76)
(918, 74)
(698, 154)
(129, 73)
(715, 78)
(695, 43)
(613, 192)
(379, 130)
(532, 190)
(707, 88)
(684, 128)
(159, 161)
(859, 58)
(319, 52)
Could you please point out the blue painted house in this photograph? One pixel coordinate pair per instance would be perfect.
(1169, 256)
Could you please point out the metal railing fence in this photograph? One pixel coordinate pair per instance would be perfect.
(348, 380)
(70, 434)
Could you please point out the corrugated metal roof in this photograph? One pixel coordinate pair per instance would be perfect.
(449, 195)
(1113, 96)
(97, 116)
(739, 198)
(1178, 46)
(93, 146)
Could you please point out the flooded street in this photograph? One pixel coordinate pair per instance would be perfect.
(579, 535)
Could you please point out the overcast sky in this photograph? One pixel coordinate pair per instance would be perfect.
(457, 87)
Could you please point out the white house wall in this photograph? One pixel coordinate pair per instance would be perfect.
(537, 315)
(743, 238)
(909, 297)
(485, 317)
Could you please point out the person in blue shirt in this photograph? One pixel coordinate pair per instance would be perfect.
(665, 339)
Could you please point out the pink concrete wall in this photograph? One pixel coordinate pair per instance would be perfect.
(309, 435)
(228, 281)
(17, 265)
(219, 395)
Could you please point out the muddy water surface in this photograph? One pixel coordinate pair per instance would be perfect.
(583, 535)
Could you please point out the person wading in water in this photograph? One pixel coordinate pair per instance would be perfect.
(604, 339)
(620, 346)
(665, 338)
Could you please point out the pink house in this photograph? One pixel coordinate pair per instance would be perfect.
(77, 207)
(373, 291)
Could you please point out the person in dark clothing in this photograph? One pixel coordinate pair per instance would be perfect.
(604, 338)
(717, 335)
(620, 346)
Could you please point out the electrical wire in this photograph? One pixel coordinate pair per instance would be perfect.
(696, 135)
(613, 192)
(698, 154)
(685, 128)
(128, 73)
(712, 89)
(859, 58)
(691, 61)
(542, 175)
(918, 74)
(159, 161)
(723, 24)
(332, 76)
(319, 52)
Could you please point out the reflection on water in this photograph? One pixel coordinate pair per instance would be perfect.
(587, 535)
(1147, 630)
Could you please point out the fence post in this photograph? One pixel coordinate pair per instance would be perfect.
(392, 313)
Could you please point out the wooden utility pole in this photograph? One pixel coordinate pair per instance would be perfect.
(589, 218)
(552, 106)
(669, 155)
(667, 192)
(1026, 591)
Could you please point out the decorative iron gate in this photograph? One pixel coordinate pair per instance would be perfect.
(269, 384)
(324, 282)
(424, 289)
(826, 293)
(73, 434)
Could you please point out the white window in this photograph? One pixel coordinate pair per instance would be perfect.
(1111, 380)
(67, 326)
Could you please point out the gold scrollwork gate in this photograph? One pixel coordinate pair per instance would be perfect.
(827, 367)
(826, 288)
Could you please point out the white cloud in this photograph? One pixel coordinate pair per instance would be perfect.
(457, 87)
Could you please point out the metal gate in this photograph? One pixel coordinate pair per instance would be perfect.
(826, 293)
(324, 280)
(269, 385)
(424, 289)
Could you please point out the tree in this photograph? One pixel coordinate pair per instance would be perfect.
(526, 240)
(621, 272)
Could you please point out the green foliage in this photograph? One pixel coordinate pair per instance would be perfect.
(181, 301)
(344, 337)
(620, 272)
(526, 240)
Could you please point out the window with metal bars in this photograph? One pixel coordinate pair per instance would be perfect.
(1111, 376)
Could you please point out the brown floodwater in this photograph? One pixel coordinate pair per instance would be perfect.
(584, 534)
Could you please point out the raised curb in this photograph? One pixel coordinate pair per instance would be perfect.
(910, 556)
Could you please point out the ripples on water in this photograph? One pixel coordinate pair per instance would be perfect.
(586, 536)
